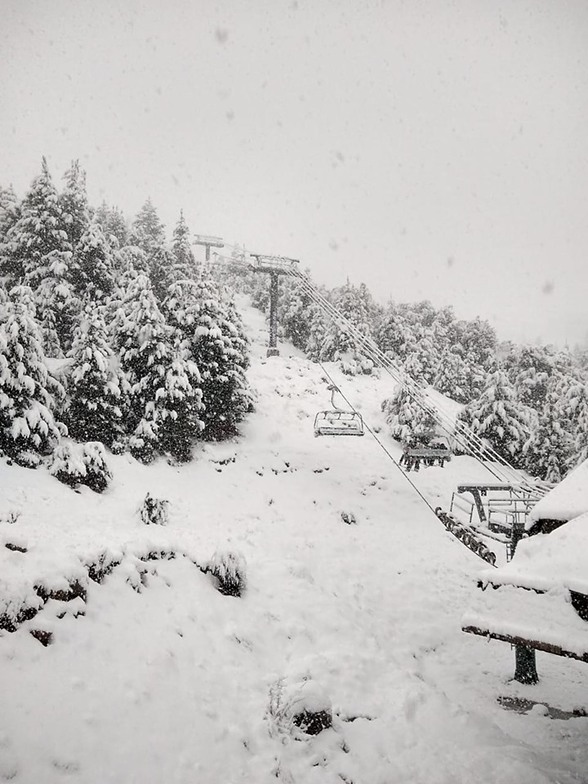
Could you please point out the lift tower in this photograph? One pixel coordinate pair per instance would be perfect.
(274, 266)
(208, 242)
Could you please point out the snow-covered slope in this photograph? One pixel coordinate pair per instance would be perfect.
(162, 679)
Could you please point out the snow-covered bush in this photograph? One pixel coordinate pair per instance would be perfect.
(230, 570)
(76, 466)
(11, 517)
(67, 465)
(298, 709)
(154, 510)
(98, 474)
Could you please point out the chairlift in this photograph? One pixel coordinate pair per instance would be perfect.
(336, 421)
(430, 450)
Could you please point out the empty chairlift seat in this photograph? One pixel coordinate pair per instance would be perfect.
(338, 423)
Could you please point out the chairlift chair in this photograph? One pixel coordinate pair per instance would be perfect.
(432, 449)
(336, 421)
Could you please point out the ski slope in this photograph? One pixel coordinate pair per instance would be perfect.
(161, 678)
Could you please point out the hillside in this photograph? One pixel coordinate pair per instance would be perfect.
(161, 678)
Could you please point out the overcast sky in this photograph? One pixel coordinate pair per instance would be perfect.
(431, 149)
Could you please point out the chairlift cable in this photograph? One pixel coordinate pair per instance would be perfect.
(412, 387)
(471, 442)
(374, 435)
(395, 462)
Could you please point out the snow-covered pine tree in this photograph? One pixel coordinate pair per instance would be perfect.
(40, 231)
(179, 406)
(148, 234)
(163, 379)
(27, 390)
(477, 342)
(161, 269)
(113, 225)
(9, 215)
(581, 357)
(94, 387)
(241, 395)
(548, 451)
(576, 405)
(498, 417)
(394, 335)
(184, 262)
(452, 377)
(317, 332)
(356, 305)
(529, 369)
(422, 362)
(48, 326)
(294, 312)
(94, 280)
(74, 204)
(129, 262)
(215, 343)
(258, 291)
(442, 330)
(147, 231)
(57, 305)
(408, 417)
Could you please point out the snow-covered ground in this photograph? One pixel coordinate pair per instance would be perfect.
(162, 679)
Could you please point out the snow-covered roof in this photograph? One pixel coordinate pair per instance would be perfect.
(567, 500)
(547, 562)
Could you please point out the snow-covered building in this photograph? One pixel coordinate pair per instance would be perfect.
(564, 502)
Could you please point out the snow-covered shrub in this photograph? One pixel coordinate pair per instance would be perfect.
(154, 510)
(230, 569)
(98, 474)
(118, 447)
(86, 466)
(103, 564)
(298, 709)
(67, 465)
(11, 517)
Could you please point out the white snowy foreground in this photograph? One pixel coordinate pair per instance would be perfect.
(162, 679)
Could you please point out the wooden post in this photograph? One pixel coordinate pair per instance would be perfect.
(273, 350)
(525, 665)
